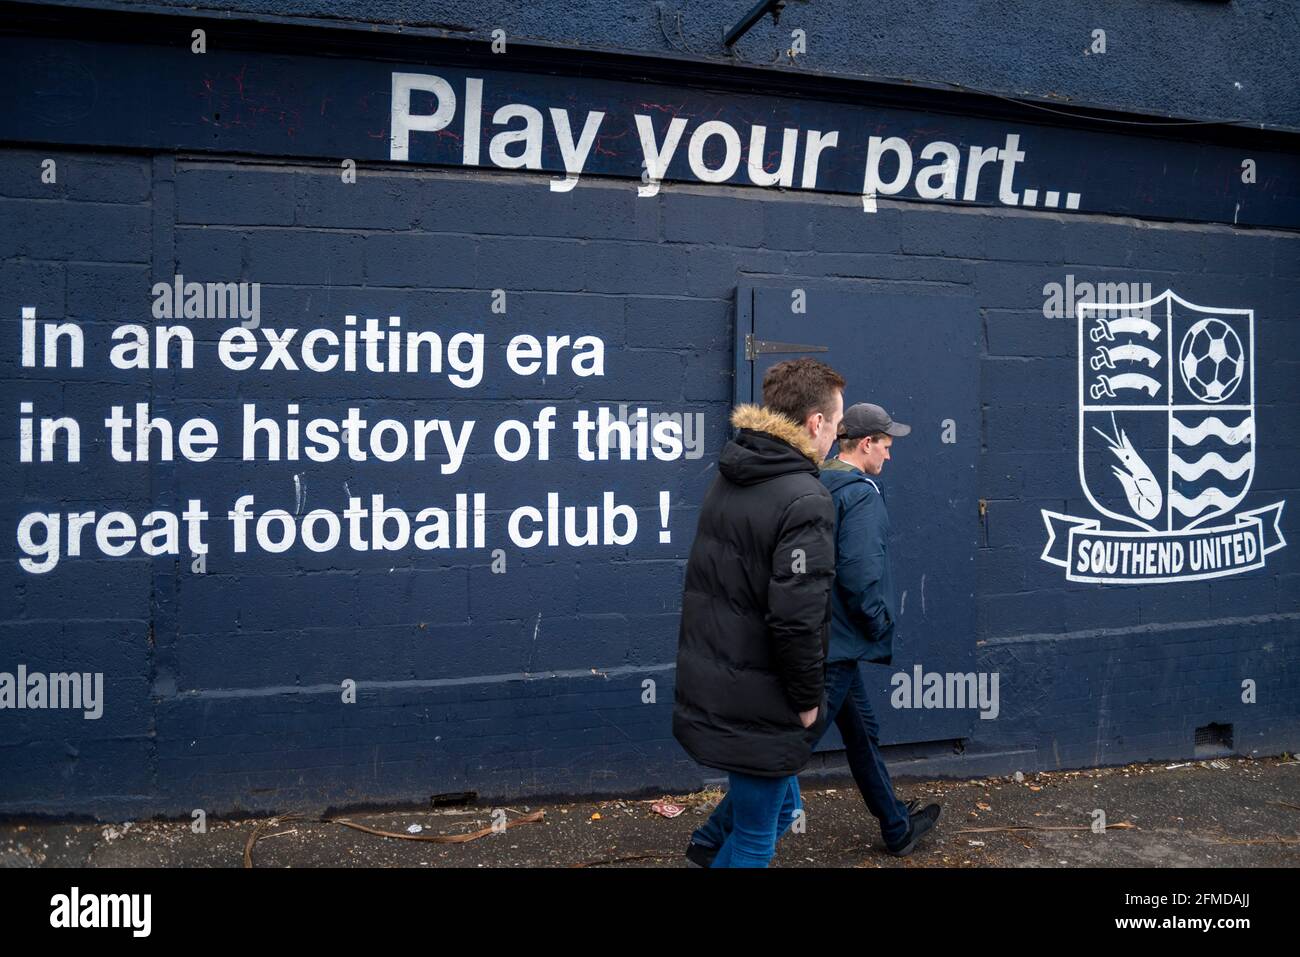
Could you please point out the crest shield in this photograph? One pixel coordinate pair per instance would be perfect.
(1166, 410)
(1167, 446)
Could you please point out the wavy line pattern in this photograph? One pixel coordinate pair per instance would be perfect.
(1212, 462)
(1191, 507)
(1233, 435)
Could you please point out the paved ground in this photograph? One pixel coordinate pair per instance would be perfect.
(1225, 813)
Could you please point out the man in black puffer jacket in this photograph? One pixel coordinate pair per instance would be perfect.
(756, 607)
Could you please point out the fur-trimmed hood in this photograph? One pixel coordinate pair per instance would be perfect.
(758, 419)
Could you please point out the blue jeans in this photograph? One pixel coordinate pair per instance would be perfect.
(758, 812)
(848, 707)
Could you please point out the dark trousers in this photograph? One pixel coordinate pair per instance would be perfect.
(849, 708)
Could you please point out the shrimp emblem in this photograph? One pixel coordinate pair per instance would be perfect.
(1144, 493)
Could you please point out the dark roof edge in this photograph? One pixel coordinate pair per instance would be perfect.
(145, 21)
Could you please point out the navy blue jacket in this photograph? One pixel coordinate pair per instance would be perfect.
(863, 611)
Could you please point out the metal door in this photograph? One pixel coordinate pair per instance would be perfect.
(917, 354)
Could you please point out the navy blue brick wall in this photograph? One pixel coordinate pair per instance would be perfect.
(223, 688)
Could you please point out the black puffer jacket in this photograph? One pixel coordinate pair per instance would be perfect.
(752, 645)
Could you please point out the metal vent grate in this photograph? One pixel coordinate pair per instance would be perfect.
(1213, 740)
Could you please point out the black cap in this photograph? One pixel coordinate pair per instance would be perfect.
(864, 418)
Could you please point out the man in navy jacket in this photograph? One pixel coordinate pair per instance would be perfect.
(864, 613)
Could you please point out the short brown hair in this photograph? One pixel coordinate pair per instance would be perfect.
(797, 388)
(851, 445)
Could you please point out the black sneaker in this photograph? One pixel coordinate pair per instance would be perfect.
(921, 822)
(700, 855)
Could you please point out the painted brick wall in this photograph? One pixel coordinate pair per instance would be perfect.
(223, 688)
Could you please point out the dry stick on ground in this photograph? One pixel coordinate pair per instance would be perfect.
(1120, 826)
(266, 825)
(1263, 840)
(534, 818)
(259, 829)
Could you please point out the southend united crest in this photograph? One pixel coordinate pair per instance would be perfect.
(1167, 444)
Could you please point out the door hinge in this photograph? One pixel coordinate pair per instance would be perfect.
(756, 347)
